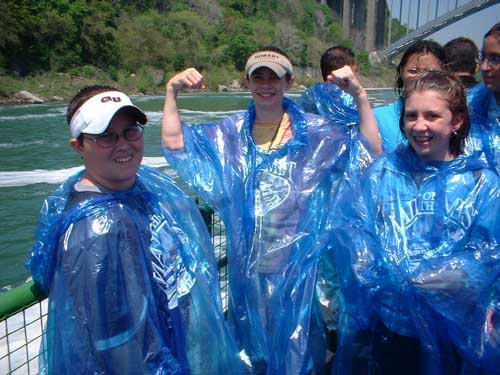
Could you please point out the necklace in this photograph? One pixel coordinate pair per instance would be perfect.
(276, 132)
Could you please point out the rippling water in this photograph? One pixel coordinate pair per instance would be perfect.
(36, 157)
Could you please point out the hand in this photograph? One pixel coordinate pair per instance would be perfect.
(346, 80)
(444, 280)
(490, 321)
(189, 78)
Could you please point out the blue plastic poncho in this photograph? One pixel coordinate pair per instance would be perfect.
(334, 104)
(419, 251)
(331, 102)
(484, 134)
(132, 283)
(274, 205)
(388, 123)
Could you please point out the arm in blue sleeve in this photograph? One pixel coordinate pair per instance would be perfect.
(199, 164)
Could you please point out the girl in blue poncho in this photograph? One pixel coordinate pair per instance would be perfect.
(419, 252)
(484, 102)
(125, 259)
(269, 173)
(421, 56)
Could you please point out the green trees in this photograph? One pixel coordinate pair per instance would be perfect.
(125, 37)
(56, 35)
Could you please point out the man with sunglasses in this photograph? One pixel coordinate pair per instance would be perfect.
(125, 258)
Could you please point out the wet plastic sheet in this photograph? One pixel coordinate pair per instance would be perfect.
(484, 134)
(331, 102)
(132, 283)
(274, 205)
(419, 254)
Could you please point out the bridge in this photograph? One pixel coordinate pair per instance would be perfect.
(384, 25)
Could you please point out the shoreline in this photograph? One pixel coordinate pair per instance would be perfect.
(60, 87)
(16, 100)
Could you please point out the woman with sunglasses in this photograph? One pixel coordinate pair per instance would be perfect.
(125, 259)
(484, 102)
(421, 56)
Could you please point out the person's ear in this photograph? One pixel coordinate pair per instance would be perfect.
(246, 81)
(290, 83)
(77, 146)
(456, 122)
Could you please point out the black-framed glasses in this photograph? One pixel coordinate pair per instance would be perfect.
(493, 60)
(107, 140)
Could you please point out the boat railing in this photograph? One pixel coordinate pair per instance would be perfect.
(23, 310)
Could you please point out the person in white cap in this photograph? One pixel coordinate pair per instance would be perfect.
(272, 174)
(126, 259)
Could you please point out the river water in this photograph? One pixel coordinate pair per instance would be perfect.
(36, 157)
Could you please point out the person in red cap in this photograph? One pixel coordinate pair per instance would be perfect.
(126, 259)
(272, 174)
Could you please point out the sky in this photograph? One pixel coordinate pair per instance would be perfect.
(474, 26)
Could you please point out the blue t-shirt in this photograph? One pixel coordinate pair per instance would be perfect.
(388, 123)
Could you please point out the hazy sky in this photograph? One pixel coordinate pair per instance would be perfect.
(473, 26)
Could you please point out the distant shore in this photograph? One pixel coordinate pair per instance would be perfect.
(54, 87)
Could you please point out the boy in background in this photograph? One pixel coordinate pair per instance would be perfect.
(324, 98)
(461, 58)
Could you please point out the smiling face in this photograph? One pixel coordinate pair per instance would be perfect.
(429, 125)
(113, 168)
(490, 68)
(268, 89)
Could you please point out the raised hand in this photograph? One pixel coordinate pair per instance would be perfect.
(346, 80)
(187, 79)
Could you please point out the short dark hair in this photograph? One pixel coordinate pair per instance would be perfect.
(494, 31)
(82, 96)
(453, 93)
(421, 47)
(335, 58)
(461, 55)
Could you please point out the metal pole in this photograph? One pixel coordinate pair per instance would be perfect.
(437, 6)
(428, 11)
(418, 13)
(390, 26)
(400, 11)
(408, 20)
(371, 14)
(346, 18)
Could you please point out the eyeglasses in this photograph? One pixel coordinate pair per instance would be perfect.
(493, 61)
(107, 140)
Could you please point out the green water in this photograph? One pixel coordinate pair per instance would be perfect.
(36, 157)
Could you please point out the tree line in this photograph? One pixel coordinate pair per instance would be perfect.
(128, 36)
(166, 34)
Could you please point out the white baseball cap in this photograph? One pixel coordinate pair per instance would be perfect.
(275, 61)
(94, 116)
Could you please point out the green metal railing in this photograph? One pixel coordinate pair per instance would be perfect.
(23, 310)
